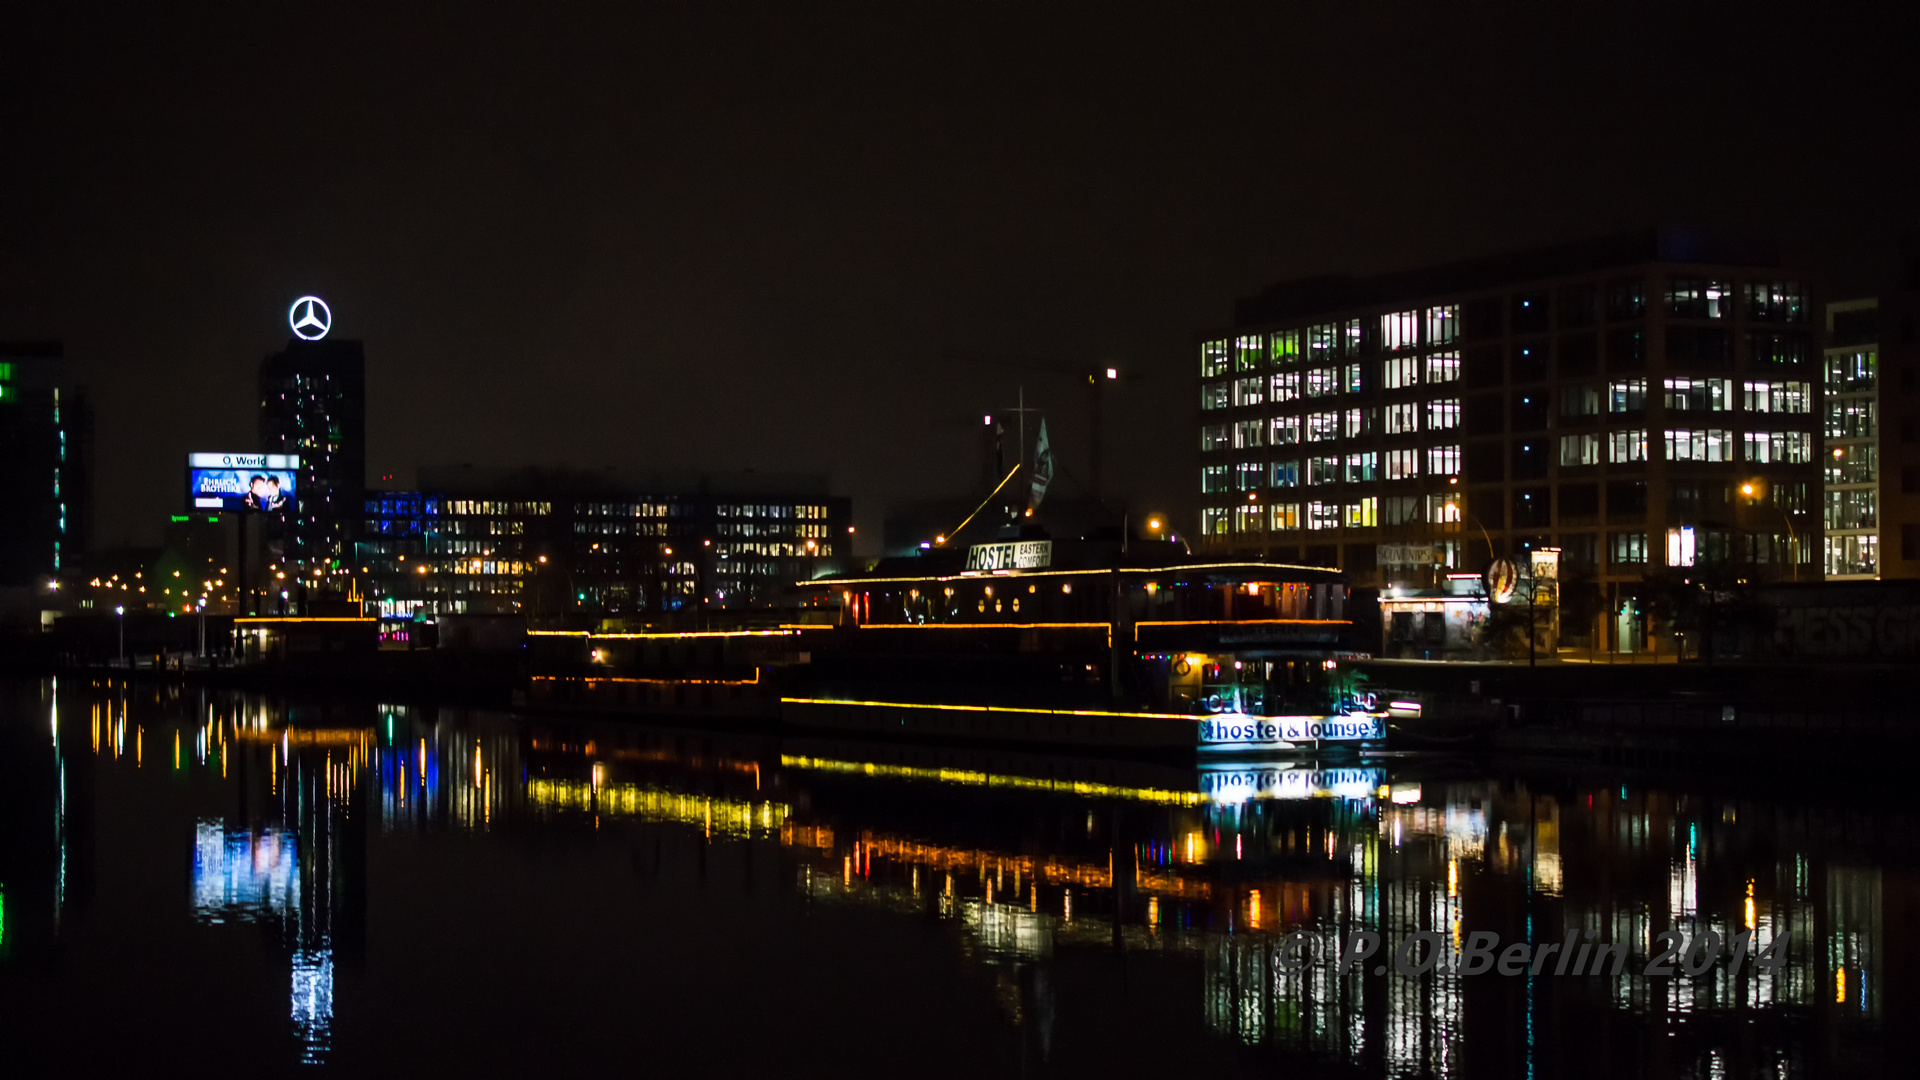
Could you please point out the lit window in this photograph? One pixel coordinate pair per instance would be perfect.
(1779, 397)
(1708, 444)
(1624, 447)
(1397, 372)
(1782, 447)
(1579, 449)
(1214, 359)
(1248, 351)
(1400, 331)
(1249, 391)
(1626, 395)
(1699, 395)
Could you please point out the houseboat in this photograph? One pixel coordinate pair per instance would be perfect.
(1131, 645)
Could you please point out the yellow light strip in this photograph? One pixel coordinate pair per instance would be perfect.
(975, 778)
(654, 682)
(736, 818)
(1237, 622)
(1244, 622)
(978, 575)
(983, 504)
(302, 619)
(989, 626)
(784, 631)
(993, 709)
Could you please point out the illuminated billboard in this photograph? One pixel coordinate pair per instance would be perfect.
(258, 482)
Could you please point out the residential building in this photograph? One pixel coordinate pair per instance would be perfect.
(1640, 402)
(553, 544)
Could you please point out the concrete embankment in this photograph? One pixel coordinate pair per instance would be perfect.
(1651, 712)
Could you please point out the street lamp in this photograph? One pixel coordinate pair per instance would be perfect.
(1793, 538)
(121, 611)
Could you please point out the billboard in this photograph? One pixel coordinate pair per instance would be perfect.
(258, 482)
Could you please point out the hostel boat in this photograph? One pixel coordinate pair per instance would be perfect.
(1135, 647)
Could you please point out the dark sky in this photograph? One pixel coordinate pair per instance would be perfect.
(726, 235)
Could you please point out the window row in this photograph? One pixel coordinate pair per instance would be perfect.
(1627, 447)
(1363, 513)
(1338, 469)
(1527, 312)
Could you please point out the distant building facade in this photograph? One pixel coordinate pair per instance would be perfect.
(313, 403)
(1642, 402)
(45, 455)
(1871, 453)
(555, 544)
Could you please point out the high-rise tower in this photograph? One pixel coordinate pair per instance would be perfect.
(43, 459)
(313, 404)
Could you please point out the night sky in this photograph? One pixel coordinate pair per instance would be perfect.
(727, 236)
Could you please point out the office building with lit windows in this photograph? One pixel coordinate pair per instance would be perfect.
(1871, 452)
(313, 403)
(1639, 402)
(45, 451)
(557, 545)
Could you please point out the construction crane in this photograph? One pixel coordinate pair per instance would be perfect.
(1094, 373)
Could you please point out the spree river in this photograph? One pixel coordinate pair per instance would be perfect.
(216, 883)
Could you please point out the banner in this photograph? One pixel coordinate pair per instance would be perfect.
(1042, 469)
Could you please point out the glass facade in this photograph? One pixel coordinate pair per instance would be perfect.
(1539, 414)
(547, 558)
(1850, 375)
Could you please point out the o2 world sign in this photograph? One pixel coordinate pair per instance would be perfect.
(1239, 731)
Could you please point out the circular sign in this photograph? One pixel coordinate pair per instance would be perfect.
(1502, 576)
(310, 318)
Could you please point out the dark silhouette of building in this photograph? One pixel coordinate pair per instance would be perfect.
(46, 441)
(313, 404)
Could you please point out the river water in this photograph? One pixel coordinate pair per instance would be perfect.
(223, 883)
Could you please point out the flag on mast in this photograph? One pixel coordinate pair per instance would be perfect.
(1042, 469)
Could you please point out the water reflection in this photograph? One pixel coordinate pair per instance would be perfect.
(1037, 871)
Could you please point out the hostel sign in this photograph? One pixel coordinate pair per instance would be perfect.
(1017, 555)
(1239, 731)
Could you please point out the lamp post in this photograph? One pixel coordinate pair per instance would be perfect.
(1793, 538)
(121, 611)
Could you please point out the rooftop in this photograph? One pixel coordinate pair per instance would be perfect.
(1327, 293)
